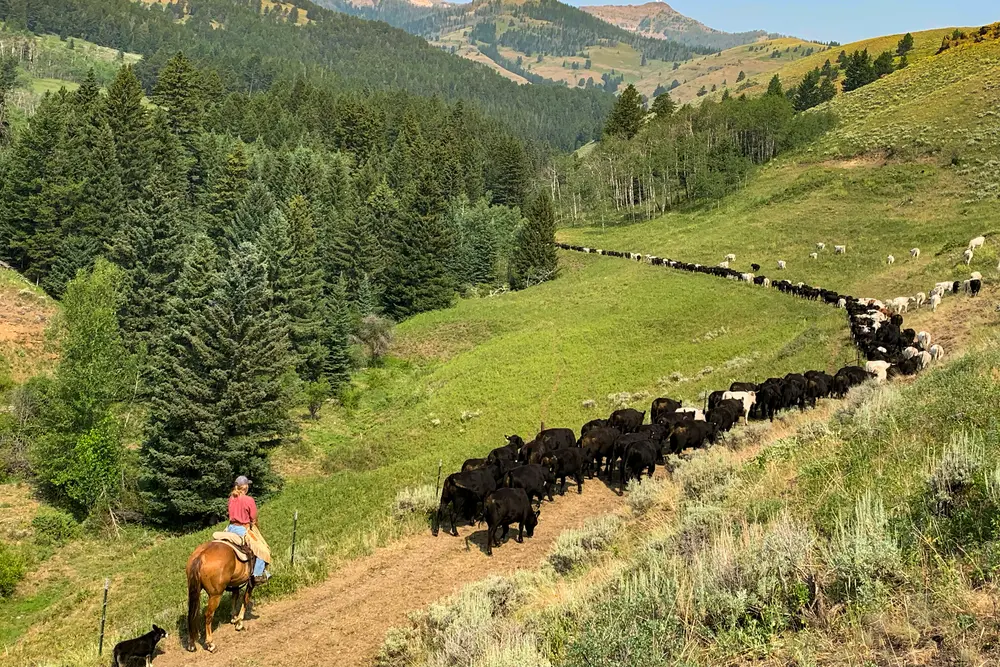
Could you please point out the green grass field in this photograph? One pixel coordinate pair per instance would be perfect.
(604, 327)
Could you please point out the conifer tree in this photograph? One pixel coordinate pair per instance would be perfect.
(534, 259)
(774, 87)
(150, 248)
(305, 303)
(508, 174)
(220, 399)
(178, 93)
(129, 123)
(626, 116)
(663, 106)
(883, 65)
(228, 191)
(251, 213)
(337, 335)
(417, 278)
(905, 45)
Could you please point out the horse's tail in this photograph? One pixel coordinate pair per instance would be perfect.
(194, 597)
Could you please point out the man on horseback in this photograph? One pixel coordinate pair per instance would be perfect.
(243, 522)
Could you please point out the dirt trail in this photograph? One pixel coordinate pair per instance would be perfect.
(343, 620)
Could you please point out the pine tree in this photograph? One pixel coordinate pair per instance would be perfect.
(626, 116)
(807, 93)
(663, 106)
(883, 65)
(774, 87)
(251, 213)
(860, 71)
(534, 258)
(221, 400)
(150, 248)
(178, 93)
(827, 90)
(228, 191)
(508, 173)
(903, 62)
(337, 335)
(417, 277)
(129, 123)
(741, 76)
(905, 45)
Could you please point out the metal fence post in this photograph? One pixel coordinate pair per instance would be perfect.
(295, 528)
(104, 616)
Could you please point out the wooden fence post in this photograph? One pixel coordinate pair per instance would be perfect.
(104, 616)
(295, 528)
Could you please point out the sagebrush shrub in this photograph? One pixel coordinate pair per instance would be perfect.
(956, 471)
(706, 476)
(864, 554)
(576, 547)
(643, 494)
(420, 500)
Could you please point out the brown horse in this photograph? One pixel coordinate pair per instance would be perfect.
(214, 567)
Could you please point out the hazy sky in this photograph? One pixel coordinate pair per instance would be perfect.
(844, 21)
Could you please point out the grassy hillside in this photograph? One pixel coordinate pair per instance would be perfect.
(925, 43)
(908, 166)
(48, 63)
(463, 378)
(25, 312)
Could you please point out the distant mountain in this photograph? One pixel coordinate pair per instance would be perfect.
(661, 21)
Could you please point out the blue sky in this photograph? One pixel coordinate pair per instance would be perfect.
(844, 21)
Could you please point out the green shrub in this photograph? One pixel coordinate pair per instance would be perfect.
(633, 621)
(421, 500)
(576, 547)
(956, 472)
(755, 578)
(864, 555)
(643, 495)
(706, 476)
(316, 394)
(12, 570)
(54, 527)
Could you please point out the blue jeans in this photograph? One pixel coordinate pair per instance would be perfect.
(258, 565)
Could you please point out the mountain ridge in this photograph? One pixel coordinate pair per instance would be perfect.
(658, 20)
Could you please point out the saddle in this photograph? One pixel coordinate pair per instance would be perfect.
(243, 553)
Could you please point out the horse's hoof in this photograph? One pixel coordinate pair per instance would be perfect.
(239, 626)
(192, 648)
(210, 648)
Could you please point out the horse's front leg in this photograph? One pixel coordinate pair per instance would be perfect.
(243, 602)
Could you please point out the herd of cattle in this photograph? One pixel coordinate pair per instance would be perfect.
(503, 487)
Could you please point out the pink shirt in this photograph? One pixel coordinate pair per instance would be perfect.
(242, 509)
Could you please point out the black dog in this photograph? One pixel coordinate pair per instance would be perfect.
(141, 647)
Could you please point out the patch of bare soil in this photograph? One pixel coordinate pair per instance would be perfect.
(344, 620)
(24, 316)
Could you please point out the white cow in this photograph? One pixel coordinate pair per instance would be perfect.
(699, 416)
(920, 299)
(878, 369)
(943, 287)
(900, 304)
(842, 303)
(977, 242)
(747, 398)
(910, 352)
(924, 339)
(914, 253)
(935, 302)
(937, 352)
(730, 257)
(724, 265)
(890, 260)
(781, 264)
(820, 246)
(968, 257)
(840, 249)
(976, 275)
(814, 255)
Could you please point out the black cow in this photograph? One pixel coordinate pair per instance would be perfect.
(502, 508)
(755, 267)
(714, 398)
(624, 443)
(462, 493)
(691, 434)
(536, 480)
(658, 433)
(556, 438)
(743, 386)
(508, 452)
(591, 425)
(637, 457)
(571, 462)
(662, 406)
(974, 286)
(599, 444)
(627, 420)
(726, 414)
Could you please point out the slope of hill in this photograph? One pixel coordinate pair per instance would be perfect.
(925, 43)
(360, 54)
(25, 312)
(661, 21)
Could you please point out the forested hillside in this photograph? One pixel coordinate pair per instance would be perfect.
(249, 50)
